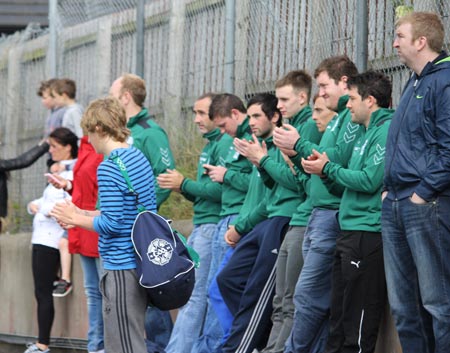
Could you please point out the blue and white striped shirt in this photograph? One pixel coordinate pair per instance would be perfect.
(118, 206)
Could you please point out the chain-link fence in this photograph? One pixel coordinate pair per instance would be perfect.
(189, 48)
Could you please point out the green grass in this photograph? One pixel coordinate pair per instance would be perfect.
(186, 151)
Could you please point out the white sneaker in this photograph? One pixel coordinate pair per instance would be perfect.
(33, 348)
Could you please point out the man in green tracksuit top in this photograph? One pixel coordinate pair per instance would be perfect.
(313, 288)
(359, 286)
(284, 194)
(147, 136)
(293, 93)
(246, 282)
(206, 196)
(290, 259)
(262, 123)
(229, 115)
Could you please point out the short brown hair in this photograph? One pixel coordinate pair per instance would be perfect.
(336, 67)
(106, 116)
(45, 86)
(222, 104)
(64, 85)
(209, 95)
(427, 24)
(300, 80)
(134, 85)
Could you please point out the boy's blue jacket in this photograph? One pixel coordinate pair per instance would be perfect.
(418, 143)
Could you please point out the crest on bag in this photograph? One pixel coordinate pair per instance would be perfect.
(159, 252)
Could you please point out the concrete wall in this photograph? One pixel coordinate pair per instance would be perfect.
(18, 310)
(18, 313)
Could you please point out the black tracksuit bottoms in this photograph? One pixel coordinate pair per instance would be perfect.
(358, 295)
(247, 284)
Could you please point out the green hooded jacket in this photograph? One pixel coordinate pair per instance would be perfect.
(360, 207)
(337, 141)
(206, 194)
(288, 191)
(152, 141)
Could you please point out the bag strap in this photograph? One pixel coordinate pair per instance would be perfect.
(123, 169)
(195, 257)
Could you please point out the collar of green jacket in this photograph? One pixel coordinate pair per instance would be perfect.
(301, 116)
(342, 103)
(269, 142)
(212, 135)
(244, 128)
(143, 114)
(379, 116)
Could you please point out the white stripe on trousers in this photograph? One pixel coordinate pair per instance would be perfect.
(257, 313)
(360, 331)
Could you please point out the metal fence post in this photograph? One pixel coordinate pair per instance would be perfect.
(361, 35)
(104, 42)
(172, 99)
(140, 42)
(230, 21)
(52, 62)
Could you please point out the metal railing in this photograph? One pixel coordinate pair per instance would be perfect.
(189, 47)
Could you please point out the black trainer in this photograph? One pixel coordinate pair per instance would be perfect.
(62, 288)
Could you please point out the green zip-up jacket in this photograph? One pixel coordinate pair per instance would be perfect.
(360, 207)
(273, 199)
(301, 215)
(289, 191)
(276, 168)
(251, 212)
(152, 141)
(205, 193)
(337, 141)
(237, 176)
(284, 192)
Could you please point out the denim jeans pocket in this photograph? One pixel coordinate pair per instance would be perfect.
(426, 204)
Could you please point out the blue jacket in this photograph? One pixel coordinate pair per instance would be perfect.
(418, 144)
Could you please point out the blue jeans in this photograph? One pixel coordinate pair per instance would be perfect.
(158, 327)
(212, 333)
(416, 243)
(92, 272)
(312, 295)
(190, 317)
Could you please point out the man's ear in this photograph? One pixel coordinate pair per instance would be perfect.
(235, 114)
(275, 119)
(343, 82)
(127, 97)
(303, 97)
(371, 100)
(422, 42)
